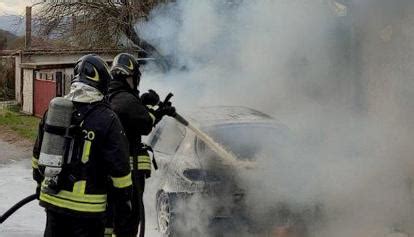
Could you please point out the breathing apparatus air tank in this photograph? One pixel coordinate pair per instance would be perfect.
(54, 142)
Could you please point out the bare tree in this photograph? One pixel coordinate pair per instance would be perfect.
(96, 24)
(3, 42)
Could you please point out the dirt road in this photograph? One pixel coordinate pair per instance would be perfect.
(13, 147)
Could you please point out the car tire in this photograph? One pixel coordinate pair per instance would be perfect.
(166, 215)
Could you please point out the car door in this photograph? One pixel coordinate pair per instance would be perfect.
(165, 141)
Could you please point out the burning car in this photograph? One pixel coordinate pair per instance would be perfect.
(198, 193)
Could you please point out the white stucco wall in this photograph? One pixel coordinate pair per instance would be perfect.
(27, 91)
(69, 73)
(18, 80)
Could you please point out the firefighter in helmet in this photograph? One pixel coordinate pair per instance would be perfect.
(96, 161)
(138, 116)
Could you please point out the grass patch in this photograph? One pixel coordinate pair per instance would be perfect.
(24, 125)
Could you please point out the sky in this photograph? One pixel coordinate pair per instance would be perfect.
(14, 7)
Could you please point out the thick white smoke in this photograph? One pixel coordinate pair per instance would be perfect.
(225, 48)
(316, 67)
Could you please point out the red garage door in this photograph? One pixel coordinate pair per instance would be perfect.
(44, 92)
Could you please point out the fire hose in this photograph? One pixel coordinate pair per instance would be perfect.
(226, 156)
(16, 207)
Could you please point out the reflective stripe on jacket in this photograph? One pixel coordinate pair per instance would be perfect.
(143, 163)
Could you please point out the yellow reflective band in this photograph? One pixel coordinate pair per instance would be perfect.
(122, 182)
(131, 66)
(144, 159)
(90, 198)
(86, 151)
(43, 184)
(79, 187)
(153, 118)
(144, 166)
(109, 231)
(96, 77)
(73, 205)
(144, 162)
(35, 163)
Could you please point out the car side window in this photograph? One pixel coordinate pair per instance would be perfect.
(168, 136)
(202, 149)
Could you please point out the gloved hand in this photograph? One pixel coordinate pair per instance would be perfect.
(122, 202)
(122, 213)
(165, 109)
(150, 98)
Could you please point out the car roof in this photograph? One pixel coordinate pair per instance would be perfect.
(215, 115)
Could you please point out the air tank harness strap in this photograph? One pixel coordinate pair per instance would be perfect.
(67, 132)
(147, 148)
(56, 130)
(73, 129)
(74, 135)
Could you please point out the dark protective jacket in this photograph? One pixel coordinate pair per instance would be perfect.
(100, 164)
(135, 118)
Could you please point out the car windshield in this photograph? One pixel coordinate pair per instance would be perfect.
(246, 141)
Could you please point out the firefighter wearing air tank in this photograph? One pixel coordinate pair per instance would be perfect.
(138, 115)
(80, 155)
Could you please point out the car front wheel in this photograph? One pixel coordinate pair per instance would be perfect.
(166, 216)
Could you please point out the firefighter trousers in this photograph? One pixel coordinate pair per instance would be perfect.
(128, 226)
(60, 225)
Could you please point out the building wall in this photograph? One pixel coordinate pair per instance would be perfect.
(28, 91)
(68, 74)
(18, 80)
(37, 59)
(38, 91)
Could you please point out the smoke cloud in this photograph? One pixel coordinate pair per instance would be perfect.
(337, 73)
